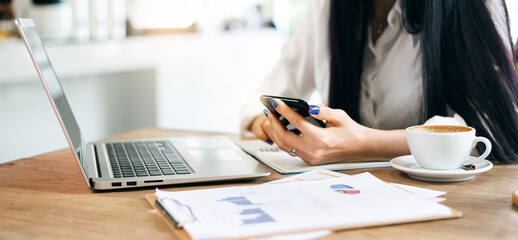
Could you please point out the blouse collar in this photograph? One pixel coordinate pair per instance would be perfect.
(394, 16)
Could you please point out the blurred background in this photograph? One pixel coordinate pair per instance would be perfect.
(180, 64)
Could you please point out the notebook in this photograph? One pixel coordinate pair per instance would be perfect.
(283, 163)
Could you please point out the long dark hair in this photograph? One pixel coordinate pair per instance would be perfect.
(466, 64)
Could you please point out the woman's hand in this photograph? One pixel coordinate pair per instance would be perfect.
(260, 127)
(342, 139)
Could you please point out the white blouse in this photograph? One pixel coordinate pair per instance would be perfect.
(391, 81)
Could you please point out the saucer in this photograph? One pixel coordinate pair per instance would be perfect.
(408, 165)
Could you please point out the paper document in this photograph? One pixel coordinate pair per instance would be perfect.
(283, 163)
(263, 210)
(320, 174)
(313, 175)
(429, 194)
(299, 236)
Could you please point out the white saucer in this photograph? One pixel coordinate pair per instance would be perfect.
(408, 165)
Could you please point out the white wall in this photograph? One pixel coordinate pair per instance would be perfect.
(205, 88)
(191, 81)
(101, 104)
(512, 8)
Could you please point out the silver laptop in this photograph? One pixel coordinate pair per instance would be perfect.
(139, 162)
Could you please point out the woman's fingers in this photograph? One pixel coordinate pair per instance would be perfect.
(267, 126)
(274, 139)
(322, 112)
(293, 117)
(306, 156)
(257, 127)
(306, 147)
(282, 137)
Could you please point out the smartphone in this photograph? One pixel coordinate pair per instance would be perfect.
(298, 105)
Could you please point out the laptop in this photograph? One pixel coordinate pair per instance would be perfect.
(138, 162)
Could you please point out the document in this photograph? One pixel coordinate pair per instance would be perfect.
(264, 210)
(283, 163)
(313, 175)
(320, 174)
(432, 195)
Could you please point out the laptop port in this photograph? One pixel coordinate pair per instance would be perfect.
(116, 184)
(153, 181)
(131, 183)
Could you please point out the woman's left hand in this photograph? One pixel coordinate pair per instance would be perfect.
(342, 139)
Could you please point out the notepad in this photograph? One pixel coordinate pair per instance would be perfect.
(263, 210)
(283, 163)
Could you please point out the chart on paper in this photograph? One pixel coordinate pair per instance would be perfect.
(238, 212)
(251, 212)
(244, 209)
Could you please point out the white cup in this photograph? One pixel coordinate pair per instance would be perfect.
(443, 147)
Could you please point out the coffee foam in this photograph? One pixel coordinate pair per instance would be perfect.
(440, 129)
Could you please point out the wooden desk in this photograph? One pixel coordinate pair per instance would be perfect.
(45, 197)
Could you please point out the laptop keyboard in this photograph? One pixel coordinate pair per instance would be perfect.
(141, 159)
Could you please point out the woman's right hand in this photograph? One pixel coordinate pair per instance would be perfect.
(262, 128)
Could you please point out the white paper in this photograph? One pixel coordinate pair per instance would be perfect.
(299, 236)
(313, 175)
(320, 174)
(269, 209)
(317, 174)
(429, 194)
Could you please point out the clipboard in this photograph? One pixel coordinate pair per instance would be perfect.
(179, 232)
(182, 234)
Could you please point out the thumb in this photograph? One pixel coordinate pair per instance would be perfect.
(322, 112)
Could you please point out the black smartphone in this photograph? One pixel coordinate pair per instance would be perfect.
(298, 105)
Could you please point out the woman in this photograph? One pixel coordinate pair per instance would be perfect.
(384, 65)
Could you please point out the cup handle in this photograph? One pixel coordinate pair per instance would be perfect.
(486, 142)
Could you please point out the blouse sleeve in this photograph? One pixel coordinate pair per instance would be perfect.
(293, 75)
(456, 120)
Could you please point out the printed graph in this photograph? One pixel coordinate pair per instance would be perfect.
(240, 201)
(250, 213)
(344, 189)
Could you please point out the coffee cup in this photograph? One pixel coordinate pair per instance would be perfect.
(443, 147)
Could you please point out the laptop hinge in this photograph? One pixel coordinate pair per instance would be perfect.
(92, 183)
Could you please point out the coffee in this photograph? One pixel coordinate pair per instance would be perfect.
(440, 129)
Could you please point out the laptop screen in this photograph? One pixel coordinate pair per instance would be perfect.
(53, 87)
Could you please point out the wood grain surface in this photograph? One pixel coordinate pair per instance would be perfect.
(45, 197)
